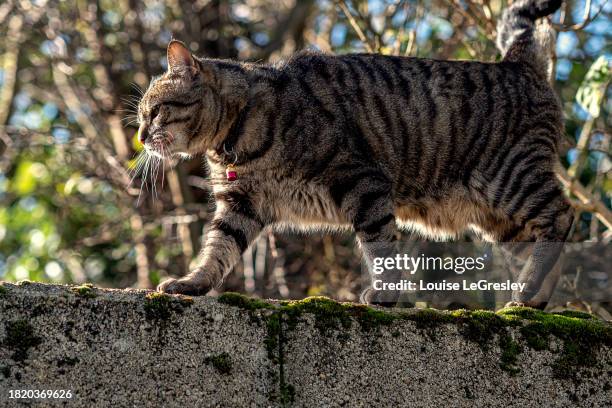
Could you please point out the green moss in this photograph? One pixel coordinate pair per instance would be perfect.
(564, 326)
(274, 345)
(371, 319)
(483, 327)
(222, 362)
(328, 315)
(581, 333)
(24, 282)
(573, 356)
(273, 324)
(157, 306)
(536, 336)
(581, 337)
(85, 290)
(428, 319)
(243, 302)
(287, 394)
(520, 312)
(273, 340)
(160, 306)
(480, 326)
(20, 337)
(3, 290)
(577, 314)
(510, 351)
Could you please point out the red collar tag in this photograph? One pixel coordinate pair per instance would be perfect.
(230, 173)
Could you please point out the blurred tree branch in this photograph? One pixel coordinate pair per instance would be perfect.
(291, 28)
(9, 68)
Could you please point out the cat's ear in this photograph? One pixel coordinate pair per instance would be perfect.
(179, 56)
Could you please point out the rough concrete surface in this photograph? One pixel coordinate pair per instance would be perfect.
(119, 348)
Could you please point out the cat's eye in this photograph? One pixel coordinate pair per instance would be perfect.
(155, 111)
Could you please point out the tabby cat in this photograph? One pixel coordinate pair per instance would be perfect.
(371, 143)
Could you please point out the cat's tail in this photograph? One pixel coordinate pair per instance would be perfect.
(520, 39)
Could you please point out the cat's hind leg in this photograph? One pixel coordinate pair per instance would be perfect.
(544, 219)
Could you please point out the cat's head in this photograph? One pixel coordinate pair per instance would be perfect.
(185, 109)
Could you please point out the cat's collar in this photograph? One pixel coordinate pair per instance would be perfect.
(230, 169)
(230, 173)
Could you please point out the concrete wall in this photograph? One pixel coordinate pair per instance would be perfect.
(120, 348)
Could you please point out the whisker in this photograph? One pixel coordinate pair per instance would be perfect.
(154, 177)
(146, 171)
(123, 111)
(129, 117)
(143, 182)
(163, 167)
(131, 102)
(133, 105)
(131, 122)
(136, 87)
(157, 164)
(134, 97)
(140, 162)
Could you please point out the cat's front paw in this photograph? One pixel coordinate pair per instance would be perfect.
(184, 286)
(514, 304)
(376, 298)
(532, 304)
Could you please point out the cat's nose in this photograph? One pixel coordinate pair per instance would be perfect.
(143, 134)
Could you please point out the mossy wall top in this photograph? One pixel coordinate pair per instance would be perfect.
(142, 348)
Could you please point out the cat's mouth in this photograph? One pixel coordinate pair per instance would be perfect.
(160, 145)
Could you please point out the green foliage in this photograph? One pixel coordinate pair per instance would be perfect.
(51, 209)
(593, 88)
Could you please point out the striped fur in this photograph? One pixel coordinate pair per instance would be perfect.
(369, 143)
